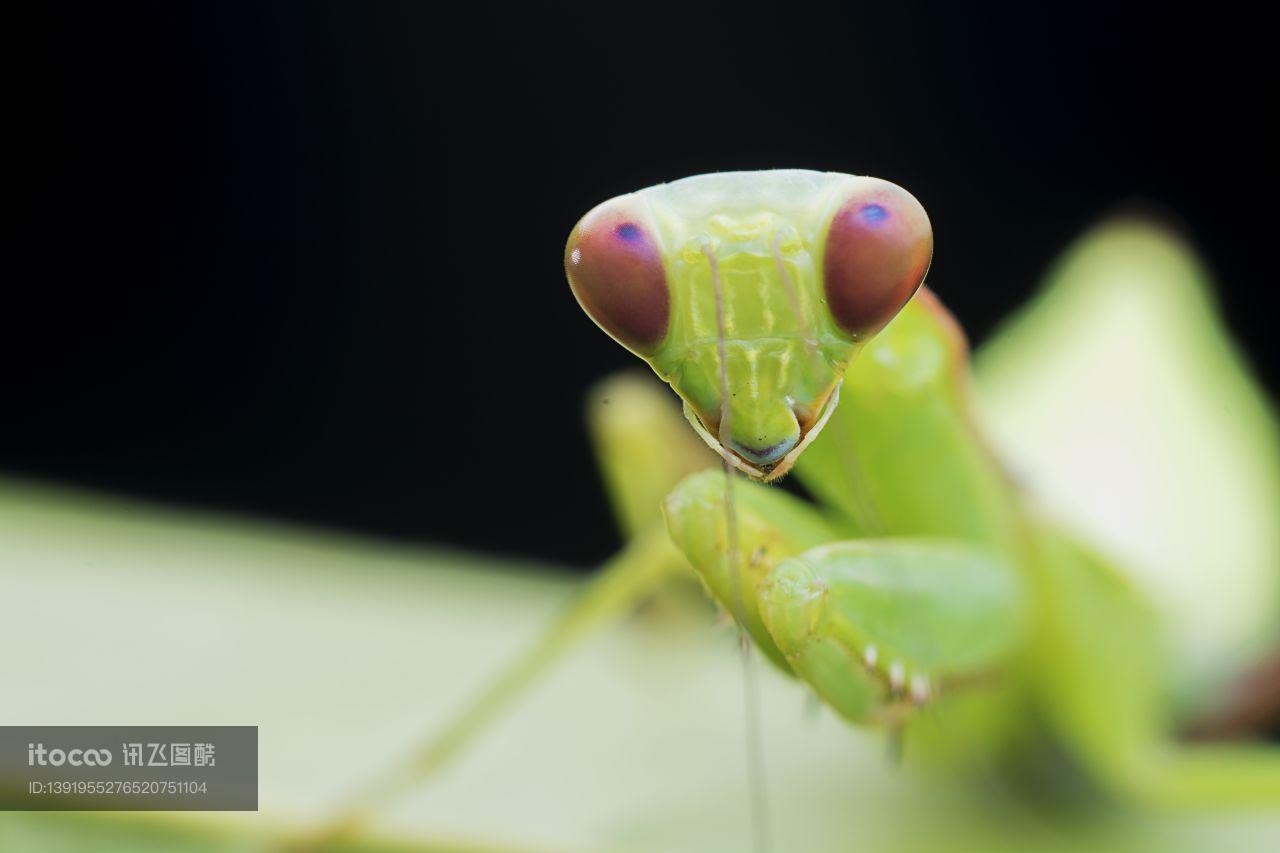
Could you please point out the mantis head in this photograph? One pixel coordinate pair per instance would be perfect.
(750, 293)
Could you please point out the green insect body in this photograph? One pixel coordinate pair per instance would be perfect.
(738, 278)
(922, 577)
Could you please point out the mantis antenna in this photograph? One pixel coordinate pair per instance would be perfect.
(761, 831)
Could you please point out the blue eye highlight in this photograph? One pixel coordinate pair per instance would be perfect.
(873, 214)
(629, 231)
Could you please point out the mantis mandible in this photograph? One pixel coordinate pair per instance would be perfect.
(785, 309)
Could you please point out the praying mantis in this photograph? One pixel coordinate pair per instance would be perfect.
(786, 311)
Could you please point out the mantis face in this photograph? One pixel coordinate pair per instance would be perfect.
(750, 293)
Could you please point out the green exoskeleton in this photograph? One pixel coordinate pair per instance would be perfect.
(785, 310)
(751, 294)
(762, 299)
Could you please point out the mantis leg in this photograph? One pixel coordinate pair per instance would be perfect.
(644, 448)
(877, 626)
(637, 571)
(771, 526)
(880, 626)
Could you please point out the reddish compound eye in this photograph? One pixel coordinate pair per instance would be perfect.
(878, 248)
(616, 272)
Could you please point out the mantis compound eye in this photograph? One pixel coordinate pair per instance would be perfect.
(615, 270)
(878, 248)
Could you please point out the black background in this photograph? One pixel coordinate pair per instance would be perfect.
(304, 261)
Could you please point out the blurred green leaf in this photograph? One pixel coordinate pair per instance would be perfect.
(1122, 406)
(345, 652)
